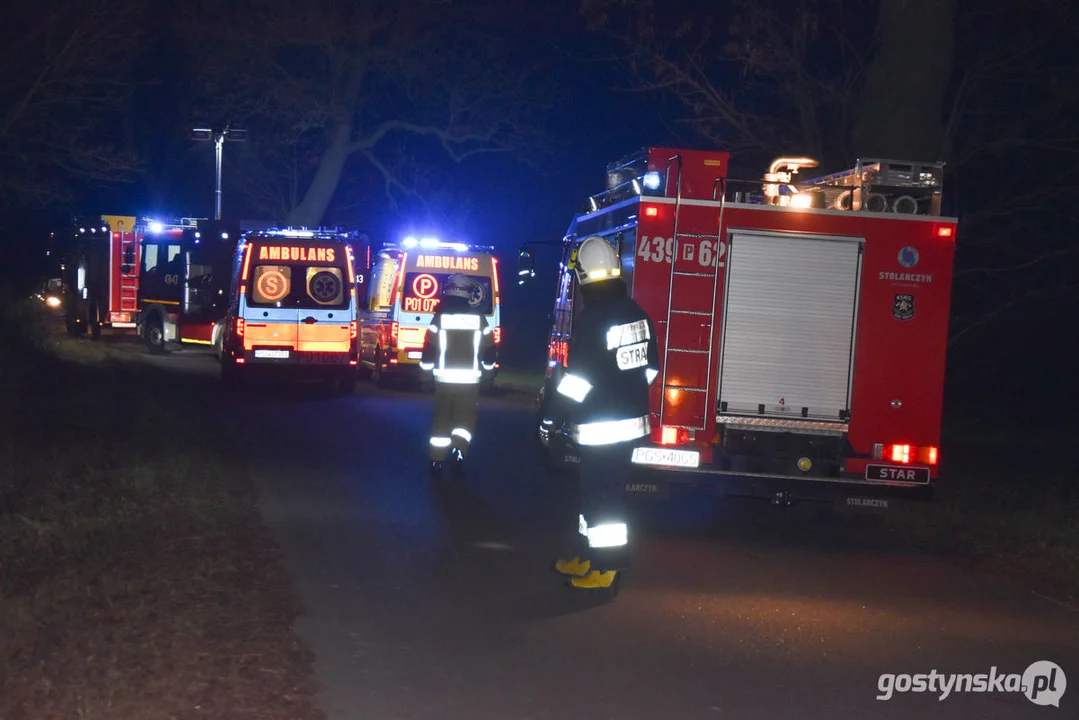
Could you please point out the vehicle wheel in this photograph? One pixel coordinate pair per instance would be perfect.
(379, 376)
(154, 333)
(75, 328)
(346, 386)
(94, 322)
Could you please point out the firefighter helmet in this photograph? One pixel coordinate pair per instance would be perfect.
(458, 286)
(596, 261)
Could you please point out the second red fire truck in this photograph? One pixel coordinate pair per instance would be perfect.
(802, 325)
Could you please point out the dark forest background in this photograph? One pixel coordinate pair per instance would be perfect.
(492, 121)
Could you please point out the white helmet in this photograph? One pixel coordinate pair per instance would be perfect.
(596, 261)
(458, 286)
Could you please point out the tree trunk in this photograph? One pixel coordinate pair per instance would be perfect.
(330, 166)
(901, 115)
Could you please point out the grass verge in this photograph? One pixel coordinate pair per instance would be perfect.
(136, 578)
(1006, 505)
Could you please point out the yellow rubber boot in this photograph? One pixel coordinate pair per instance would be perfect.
(573, 567)
(595, 580)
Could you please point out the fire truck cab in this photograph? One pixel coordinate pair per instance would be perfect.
(291, 308)
(403, 292)
(802, 324)
(182, 282)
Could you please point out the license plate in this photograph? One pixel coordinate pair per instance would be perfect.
(663, 456)
(891, 473)
(415, 355)
(276, 354)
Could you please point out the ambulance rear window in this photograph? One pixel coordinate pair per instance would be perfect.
(422, 291)
(298, 277)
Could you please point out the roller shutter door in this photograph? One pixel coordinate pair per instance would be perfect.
(788, 328)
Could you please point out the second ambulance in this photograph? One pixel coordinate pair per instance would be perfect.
(402, 295)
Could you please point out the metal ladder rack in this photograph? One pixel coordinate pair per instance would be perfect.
(671, 311)
(129, 272)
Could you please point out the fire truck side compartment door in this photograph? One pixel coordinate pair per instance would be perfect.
(789, 324)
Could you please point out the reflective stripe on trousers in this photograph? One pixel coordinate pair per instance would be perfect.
(454, 418)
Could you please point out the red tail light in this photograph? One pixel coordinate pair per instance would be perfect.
(353, 330)
(903, 454)
(395, 331)
(671, 435)
(239, 327)
(498, 334)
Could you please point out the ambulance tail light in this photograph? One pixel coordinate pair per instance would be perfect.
(498, 334)
(903, 454)
(239, 327)
(395, 332)
(353, 330)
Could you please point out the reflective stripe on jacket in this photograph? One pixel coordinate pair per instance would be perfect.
(612, 361)
(459, 344)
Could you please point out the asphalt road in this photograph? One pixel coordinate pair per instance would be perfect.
(435, 600)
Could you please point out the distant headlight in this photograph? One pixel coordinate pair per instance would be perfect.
(52, 301)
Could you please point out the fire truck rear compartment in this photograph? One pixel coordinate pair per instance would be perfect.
(788, 326)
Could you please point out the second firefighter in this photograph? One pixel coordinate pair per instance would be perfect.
(458, 347)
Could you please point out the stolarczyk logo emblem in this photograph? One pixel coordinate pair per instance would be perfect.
(908, 257)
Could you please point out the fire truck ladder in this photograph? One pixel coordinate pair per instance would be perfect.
(129, 273)
(672, 311)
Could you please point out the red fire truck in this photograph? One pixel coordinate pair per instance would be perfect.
(102, 270)
(802, 324)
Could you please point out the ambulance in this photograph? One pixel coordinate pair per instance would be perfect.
(403, 292)
(293, 308)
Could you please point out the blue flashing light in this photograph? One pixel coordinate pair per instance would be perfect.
(156, 227)
(652, 180)
(410, 242)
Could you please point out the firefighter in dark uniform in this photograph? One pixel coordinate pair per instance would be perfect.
(603, 394)
(459, 345)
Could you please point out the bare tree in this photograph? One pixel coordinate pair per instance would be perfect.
(64, 87)
(764, 79)
(987, 85)
(321, 84)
